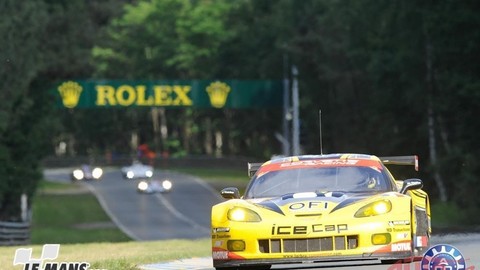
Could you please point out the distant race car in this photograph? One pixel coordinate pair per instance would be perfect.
(137, 170)
(321, 208)
(87, 172)
(154, 186)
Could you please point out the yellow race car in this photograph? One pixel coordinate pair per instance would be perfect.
(321, 208)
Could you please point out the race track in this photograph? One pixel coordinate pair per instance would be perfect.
(468, 244)
(184, 213)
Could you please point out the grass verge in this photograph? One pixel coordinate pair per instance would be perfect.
(227, 175)
(66, 213)
(117, 256)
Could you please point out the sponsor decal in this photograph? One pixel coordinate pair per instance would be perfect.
(421, 241)
(443, 257)
(127, 95)
(218, 94)
(405, 229)
(404, 246)
(70, 92)
(328, 162)
(398, 222)
(23, 256)
(315, 228)
(402, 235)
(220, 255)
(223, 236)
(295, 256)
(221, 229)
(308, 206)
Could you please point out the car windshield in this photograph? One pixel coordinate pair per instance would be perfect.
(326, 179)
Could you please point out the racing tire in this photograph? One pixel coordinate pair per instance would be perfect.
(395, 261)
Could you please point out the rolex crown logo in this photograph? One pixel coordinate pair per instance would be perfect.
(218, 93)
(70, 92)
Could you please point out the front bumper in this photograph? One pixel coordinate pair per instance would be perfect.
(397, 256)
(308, 243)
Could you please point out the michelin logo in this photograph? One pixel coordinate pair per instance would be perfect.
(23, 256)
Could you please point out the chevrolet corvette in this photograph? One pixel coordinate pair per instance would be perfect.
(321, 208)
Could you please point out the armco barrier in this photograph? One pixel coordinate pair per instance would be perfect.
(14, 233)
(159, 162)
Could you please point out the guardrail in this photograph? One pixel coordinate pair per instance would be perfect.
(159, 162)
(14, 233)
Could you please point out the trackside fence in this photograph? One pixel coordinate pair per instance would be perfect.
(14, 233)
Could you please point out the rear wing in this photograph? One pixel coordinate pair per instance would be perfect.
(253, 168)
(393, 160)
(401, 160)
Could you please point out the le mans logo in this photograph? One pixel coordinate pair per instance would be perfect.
(23, 256)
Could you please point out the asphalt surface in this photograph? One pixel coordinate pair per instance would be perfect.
(468, 244)
(183, 213)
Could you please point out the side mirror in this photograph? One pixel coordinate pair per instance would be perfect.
(411, 184)
(230, 193)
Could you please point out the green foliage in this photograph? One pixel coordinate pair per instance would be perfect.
(21, 61)
(43, 41)
(377, 69)
(446, 215)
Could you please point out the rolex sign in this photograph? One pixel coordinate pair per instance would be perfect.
(169, 93)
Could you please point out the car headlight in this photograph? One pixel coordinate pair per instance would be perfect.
(148, 173)
(167, 185)
(374, 209)
(97, 173)
(78, 174)
(243, 214)
(130, 174)
(142, 185)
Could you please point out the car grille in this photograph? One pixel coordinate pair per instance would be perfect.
(308, 244)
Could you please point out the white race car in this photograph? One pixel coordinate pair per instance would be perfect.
(154, 186)
(137, 170)
(87, 172)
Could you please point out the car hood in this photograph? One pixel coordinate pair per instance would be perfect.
(313, 204)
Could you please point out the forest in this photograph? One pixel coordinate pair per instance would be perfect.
(394, 77)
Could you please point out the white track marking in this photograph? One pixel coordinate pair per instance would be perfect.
(179, 215)
(112, 216)
(186, 264)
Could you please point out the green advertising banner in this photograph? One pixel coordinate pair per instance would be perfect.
(169, 93)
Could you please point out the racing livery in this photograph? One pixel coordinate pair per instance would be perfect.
(320, 208)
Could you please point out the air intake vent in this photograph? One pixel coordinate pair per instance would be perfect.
(308, 244)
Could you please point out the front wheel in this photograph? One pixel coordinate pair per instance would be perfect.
(391, 261)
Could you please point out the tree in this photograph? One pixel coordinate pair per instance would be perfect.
(44, 41)
(21, 61)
